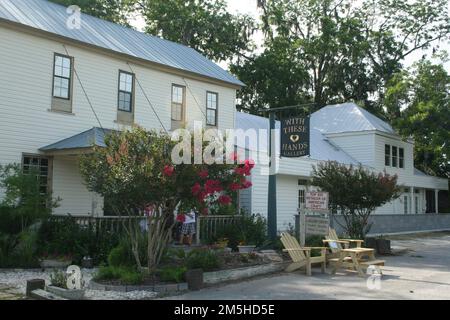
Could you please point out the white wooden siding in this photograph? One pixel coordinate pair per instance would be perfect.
(68, 185)
(360, 146)
(26, 64)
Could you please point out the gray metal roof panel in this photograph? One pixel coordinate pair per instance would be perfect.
(51, 17)
(347, 117)
(86, 139)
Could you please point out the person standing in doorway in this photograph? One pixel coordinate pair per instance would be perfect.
(188, 229)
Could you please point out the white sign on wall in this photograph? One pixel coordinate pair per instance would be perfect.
(316, 200)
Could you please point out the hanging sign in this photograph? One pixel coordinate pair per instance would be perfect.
(295, 137)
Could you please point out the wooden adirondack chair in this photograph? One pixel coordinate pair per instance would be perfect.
(335, 245)
(301, 257)
(332, 235)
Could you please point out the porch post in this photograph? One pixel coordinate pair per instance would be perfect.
(412, 202)
(436, 200)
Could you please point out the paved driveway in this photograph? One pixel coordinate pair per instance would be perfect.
(421, 270)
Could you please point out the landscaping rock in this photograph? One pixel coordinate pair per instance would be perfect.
(34, 284)
(270, 256)
(66, 293)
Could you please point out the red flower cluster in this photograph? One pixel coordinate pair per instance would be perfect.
(246, 168)
(212, 186)
(196, 189)
(203, 174)
(225, 200)
(168, 170)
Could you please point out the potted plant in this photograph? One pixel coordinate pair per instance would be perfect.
(222, 244)
(58, 286)
(246, 248)
(383, 245)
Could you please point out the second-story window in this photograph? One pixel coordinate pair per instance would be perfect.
(177, 103)
(387, 155)
(62, 77)
(401, 158)
(394, 156)
(211, 108)
(126, 83)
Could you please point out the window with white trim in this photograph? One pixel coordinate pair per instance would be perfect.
(301, 198)
(62, 77)
(387, 155)
(41, 166)
(212, 100)
(394, 156)
(401, 158)
(178, 93)
(126, 89)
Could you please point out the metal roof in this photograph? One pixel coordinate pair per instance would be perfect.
(321, 148)
(347, 117)
(51, 17)
(86, 139)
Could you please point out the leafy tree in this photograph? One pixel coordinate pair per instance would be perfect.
(111, 10)
(356, 192)
(204, 25)
(135, 170)
(418, 102)
(23, 202)
(339, 50)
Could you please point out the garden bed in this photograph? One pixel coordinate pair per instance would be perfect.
(212, 277)
(218, 267)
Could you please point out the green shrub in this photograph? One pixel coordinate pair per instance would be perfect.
(23, 203)
(125, 275)
(131, 276)
(120, 256)
(314, 241)
(25, 253)
(64, 237)
(58, 279)
(250, 230)
(202, 259)
(173, 274)
(18, 251)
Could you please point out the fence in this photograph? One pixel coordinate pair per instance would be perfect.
(104, 224)
(208, 226)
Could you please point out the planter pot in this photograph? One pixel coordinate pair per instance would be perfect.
(87, 263)
(49, 263)
(66, 293)
(246, 249)
(194, 279)
(383, 246)
(370, 243)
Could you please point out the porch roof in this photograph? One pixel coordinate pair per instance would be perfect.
(83, 140)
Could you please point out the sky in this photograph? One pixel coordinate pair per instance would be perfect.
(250, 7)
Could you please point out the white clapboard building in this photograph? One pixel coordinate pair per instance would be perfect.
(347, 134)
(62, 87)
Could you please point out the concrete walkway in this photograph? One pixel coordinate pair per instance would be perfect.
(419, 270)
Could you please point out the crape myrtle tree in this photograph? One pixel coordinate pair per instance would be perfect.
(135, 171)
(356, 192)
